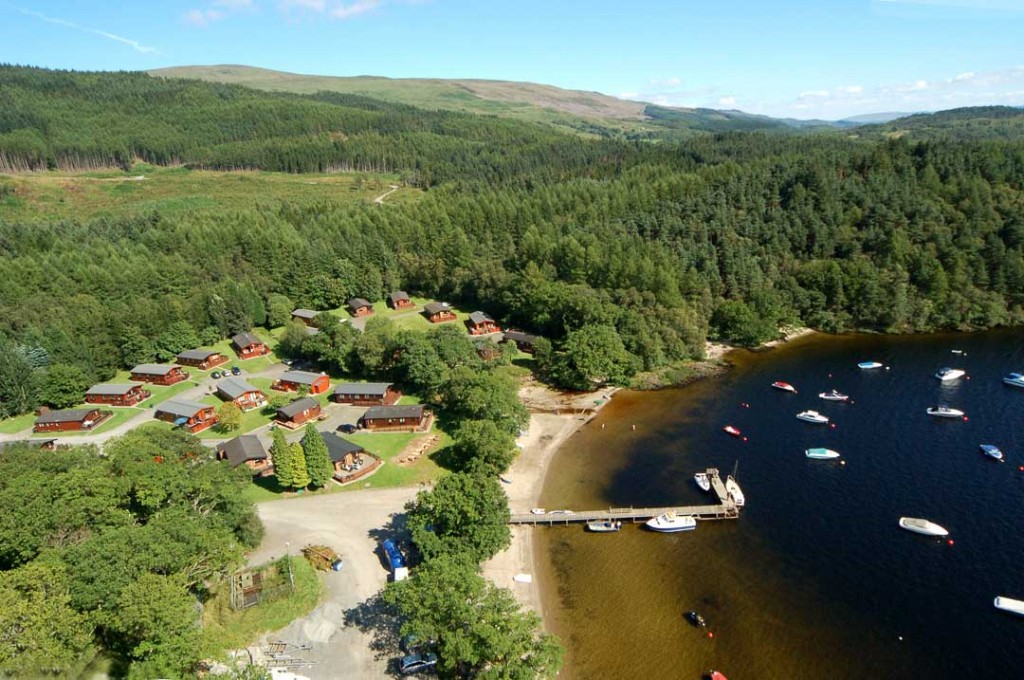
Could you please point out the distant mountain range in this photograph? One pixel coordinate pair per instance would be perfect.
(583, 112)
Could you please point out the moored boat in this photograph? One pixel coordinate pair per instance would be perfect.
(834, 395)
(734, 431)
(604, 527)
(944, 412)
(717, 675)
(992, 451)
(1014, 379)
(670, 523)
(732, 488)
(819, 453)
(784, 386)
(812, 417)
(869, 364)
(922, 526)
(703, 481)
(1008, 604)
(949, 374)
(696, 619)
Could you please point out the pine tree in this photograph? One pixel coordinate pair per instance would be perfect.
(318, 459)
(284, 462)
(300, 475)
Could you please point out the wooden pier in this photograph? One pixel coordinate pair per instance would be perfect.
(726, 508)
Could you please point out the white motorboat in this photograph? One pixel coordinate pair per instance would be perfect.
(604, 527)
(869, 365)
(834, 395)
(992, 451)
(812, 417)
(1008, 604)
(1014, 379)
(944, 412)
(732, 488)
(922, 526)
(670, 523)
(949, 374)
(703, 481)
(784, 386)
(819, 453)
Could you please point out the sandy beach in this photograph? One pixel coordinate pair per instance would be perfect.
(555, 416)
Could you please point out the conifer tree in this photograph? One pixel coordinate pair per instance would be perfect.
(284, 463)
(318, 459)
(300, 475)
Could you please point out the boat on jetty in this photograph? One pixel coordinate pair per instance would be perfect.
(702, 480)
(732, 488)
(671, 523)
(922, 526)
(834, 395)
(867, 365)
(1014, 379)
(944, 412)
(784, 386)
(1008, 604)
(819, 453)
(949, 374)
(734, 431)
(812, 417)
(992, 451)
(604, 527)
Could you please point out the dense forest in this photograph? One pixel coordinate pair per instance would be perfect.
(631, 254)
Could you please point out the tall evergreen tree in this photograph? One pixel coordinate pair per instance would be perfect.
(318, 459)
(300, 475)
(284, 462)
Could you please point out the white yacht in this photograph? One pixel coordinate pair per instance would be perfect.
(945, 412)
(812, 417)
(1008, 604)
(950, 374)
(670, 523)
(703, 481)
(732, 487)
(819, 453)
(922, 526)
(1014, 379)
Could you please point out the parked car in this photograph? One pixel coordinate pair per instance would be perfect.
(417, 663)
(235, 370)
(347, 428)
(215, 375)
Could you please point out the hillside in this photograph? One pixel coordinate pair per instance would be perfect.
(968, 123)
(579, 111)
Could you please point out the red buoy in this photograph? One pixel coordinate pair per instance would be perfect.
(710, 634)
(966, 419)
(746, 439)
(951, 541)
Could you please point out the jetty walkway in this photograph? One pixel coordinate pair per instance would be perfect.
(726, 508)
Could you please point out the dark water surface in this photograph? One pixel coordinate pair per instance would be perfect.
(816, 580)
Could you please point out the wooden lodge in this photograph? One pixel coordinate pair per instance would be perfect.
(159, 374)
(189, 415)
(117, 394)
(293, 381)
(366, 394)
(249, 346)
(246, 450)
(399, 299)
(524, 341)
(480, 323)
(41, 444)
(306, 316)
(409, 418)
(359, 307)
(438, 312)
(298, 413)
(70, 420)
(203, 359)
(245, 396)
(350, 460)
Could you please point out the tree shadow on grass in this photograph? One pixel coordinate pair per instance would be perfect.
(380, 621)
(269, 483)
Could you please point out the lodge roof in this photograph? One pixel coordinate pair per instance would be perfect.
(305, 313)
(375, 389)
(402, 411)
(233, 388)
(73, 415)
(296, 407)
(112, 389)
(432, 308)
(182, 408)
(399, 295)
(356, 303)
(479, 318)
(301, 377)
(155, 369)
(246, 339)
(243, 448)
(201, 354)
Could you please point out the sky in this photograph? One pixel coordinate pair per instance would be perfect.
(787, 58)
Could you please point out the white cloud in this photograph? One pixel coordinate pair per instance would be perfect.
(333, 9)
(354, 9)
(134, 44)
(203, 17)
(728, 101)
(850, 89)
(813, 94)
(233, 4)
(313, 5)
(963, 77)
(674, 81)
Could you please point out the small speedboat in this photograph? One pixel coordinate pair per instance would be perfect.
(703, 481)
(784, 386)
(732, 487)
(670, 523)
(717, 675)
(604, 527)
(922, 526)
(1008, 604)
(991, 451)
(821, 453)
(696, 619)
(734, 431)
(834, 395)
(812, 417)
(944, 412)
(869, 364)
(949, 374)
(1014, 379)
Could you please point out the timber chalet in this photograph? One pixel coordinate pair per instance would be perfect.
(480, 323)
(245, 396)
(293, 381)
(366, 394)
(189, 415)
(408, 418)
(159, 374)
(247, 450)
(306, 316)
(70, 420)
(249, 346)
(203, 359)
(359, 307)
(298, 413)
(399, 299)
(111, 394)
(524, 341)
(438, 312)
(350, 460)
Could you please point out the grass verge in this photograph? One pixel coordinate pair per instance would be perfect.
(17, 423)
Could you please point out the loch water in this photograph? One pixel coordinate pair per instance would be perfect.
(816, 579)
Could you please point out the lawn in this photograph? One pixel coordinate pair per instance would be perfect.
(418, 322)
(53, 196)
(381, 308)
(387, 445)
(251, 420)
(121, 416)
(225, 629)
(162, 393)
(17, 423)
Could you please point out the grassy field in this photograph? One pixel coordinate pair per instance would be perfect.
(418, 322)
(52, 196)
(162, 393)
(17, 423)
(225, 629)
(251, 420)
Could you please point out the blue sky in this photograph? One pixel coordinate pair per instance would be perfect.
(800, 58)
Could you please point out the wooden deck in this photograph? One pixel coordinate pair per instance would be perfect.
(726, 508)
